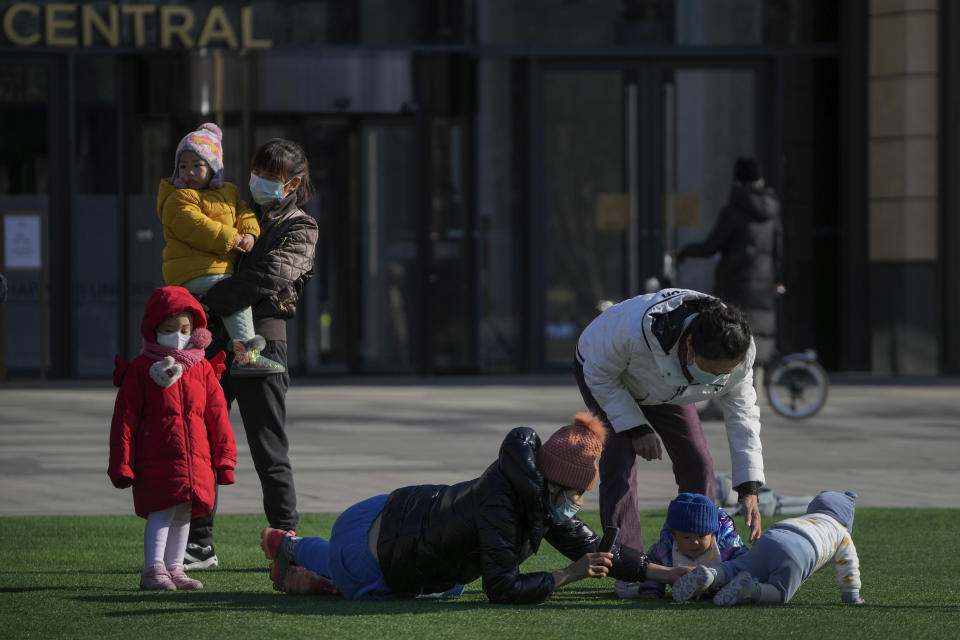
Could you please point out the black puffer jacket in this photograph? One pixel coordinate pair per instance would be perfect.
(749, 238)
(435, 536)
(271, 277)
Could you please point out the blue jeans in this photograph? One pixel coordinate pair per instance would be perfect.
(781, 557)
(345, 559)
(240, 324)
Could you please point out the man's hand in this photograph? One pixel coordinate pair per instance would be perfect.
(751, 516)
(648, 447)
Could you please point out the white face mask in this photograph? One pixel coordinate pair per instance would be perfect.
(705, 377)
(173, 340)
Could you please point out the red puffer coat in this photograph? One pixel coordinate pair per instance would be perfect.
(171, 441)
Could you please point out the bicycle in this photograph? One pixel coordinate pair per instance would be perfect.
(796, 384)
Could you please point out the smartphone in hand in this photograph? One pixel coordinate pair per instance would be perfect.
(610, 535)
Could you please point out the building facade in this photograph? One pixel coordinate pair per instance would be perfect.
(488, 171)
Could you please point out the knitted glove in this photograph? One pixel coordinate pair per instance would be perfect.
(851, 597)
(123, 482)
(225, 476)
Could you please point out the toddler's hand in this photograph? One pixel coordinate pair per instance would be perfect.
(244, 242)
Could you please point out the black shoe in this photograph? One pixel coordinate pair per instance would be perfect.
(197, 557)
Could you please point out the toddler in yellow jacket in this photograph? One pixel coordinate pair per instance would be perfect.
(205, 225)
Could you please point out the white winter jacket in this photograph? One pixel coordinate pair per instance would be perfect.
(630, 359)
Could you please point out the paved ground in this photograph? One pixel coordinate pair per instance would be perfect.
(897, 443)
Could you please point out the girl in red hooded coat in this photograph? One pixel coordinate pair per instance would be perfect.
(171, 438)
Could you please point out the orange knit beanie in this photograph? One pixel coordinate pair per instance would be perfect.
(569, 457)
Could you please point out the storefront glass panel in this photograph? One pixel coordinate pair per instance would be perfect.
(636, 161)
(25, 182)
(502, 274)
(656, 22)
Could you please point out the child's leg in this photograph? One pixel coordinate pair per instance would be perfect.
(179, 530)
(240, 325)
(176, 545)
(155, 538)
(200, 285)
(780, 561)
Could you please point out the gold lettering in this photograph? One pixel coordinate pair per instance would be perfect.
(139, 13)
(246, 19)
(11, 33)
(54, 23)
(109, 31)
(217, 27)
(182, 30)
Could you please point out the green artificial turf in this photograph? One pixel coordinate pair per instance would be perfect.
(77, 577)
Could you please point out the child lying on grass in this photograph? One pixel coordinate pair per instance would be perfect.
(785, 556)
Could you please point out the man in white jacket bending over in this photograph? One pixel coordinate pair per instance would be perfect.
(641, 365)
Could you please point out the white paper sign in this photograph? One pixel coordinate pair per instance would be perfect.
(21, 241)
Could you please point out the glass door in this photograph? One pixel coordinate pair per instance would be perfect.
(636, 160)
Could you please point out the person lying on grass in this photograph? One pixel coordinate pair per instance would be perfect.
(696, 532)
(785, 556)
(433, 539)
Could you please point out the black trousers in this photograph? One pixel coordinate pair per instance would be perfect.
(262, 402)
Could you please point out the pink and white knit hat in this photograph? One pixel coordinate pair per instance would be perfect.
(205, 142)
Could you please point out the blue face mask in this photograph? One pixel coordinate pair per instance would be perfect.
(266, 192)
(565, 511)
(705, 377)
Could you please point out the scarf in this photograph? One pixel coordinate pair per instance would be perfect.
(188, 357)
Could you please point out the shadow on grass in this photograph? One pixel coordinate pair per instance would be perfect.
(200, 601)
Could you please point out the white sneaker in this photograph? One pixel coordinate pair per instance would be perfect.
(694, 583)
(627, 590)
(737, 590)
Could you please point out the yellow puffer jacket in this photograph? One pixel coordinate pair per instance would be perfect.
(201, 227)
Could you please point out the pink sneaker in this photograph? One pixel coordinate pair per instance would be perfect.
(156, 579)
(271, 539)
(183, 582)
(300, 581)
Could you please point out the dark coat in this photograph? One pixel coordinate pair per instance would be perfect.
(433, 537)
(271, 277)
(749, 238)
(170, 441)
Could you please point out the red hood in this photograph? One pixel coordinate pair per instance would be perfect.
(166, 302)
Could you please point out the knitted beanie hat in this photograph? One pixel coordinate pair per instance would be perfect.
(205, 142)
(569, 457)
(693, 513)
(839, 506)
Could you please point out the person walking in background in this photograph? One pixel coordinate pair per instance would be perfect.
(206, 226)
(434, 539)
(749, 238)
(785, 556)
(170, 438)
(270, 279)
(641, 365)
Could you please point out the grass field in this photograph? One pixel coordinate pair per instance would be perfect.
(77, 577)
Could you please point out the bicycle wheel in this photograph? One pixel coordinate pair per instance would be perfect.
(797, 388)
